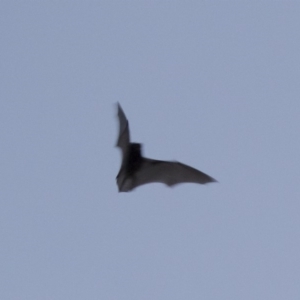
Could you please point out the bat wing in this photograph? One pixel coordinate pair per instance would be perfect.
(124, 135)
(169, 173)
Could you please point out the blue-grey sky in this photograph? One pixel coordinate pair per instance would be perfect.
(211, 84)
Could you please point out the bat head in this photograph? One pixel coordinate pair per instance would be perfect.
(136, 148)
(134, 158)
(132, 164)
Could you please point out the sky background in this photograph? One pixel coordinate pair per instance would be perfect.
(211, 84)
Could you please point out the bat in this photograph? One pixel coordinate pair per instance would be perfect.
(137, 170)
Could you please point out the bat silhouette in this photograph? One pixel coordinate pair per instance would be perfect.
(137, 170)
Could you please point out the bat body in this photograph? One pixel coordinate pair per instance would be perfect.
(137, 170)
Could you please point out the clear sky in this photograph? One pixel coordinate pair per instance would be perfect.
(211, 84)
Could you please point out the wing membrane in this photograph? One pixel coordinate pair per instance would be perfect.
(169, 173)
(124, 135)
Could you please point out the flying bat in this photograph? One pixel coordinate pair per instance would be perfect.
(137, 170)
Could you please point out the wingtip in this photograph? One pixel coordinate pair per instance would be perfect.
(120, 110)
(213, 180)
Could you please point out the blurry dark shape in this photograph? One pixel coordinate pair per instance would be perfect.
(137, 170)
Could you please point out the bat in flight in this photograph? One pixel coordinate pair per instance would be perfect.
(137, 170)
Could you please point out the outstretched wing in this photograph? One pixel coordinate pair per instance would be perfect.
(124, 136)
(169, 173)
